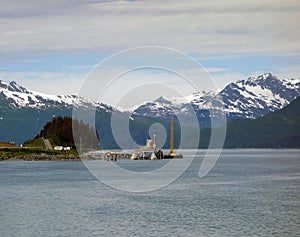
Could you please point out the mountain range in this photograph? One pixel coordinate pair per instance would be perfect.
(24, 112)
(248, 98)
(14, 96)
(278, 129)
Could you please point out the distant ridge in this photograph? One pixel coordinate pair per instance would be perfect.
(12, 95)
(247, 98)
(279, 129)
(23, 112)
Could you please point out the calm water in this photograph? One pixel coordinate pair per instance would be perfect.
(248, 193)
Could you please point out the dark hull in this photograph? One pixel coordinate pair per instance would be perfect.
(177, 156)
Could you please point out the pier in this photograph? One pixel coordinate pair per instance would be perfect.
(147, 152)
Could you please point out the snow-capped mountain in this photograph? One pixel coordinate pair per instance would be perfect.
(249, 98)
(13, 95)
(254, 97)
(23, 112)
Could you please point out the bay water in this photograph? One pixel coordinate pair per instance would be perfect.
(251, 192)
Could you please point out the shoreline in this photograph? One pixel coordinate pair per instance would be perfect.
(35, 154)
(45, 157)
(42, 157)
(76, 157)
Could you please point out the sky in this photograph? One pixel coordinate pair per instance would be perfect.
(51, 46)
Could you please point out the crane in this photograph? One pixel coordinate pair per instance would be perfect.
(171, 153)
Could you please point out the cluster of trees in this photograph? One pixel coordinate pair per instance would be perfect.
(61, 130)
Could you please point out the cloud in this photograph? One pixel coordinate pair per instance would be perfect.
(190, 26)
(215, 31)
(221, 80)
(289, 72)
(46, 82)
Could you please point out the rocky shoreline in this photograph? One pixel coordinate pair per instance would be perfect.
(44, 157)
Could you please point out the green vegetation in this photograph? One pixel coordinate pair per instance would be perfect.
(21, 124)
(17, 152)
(34, 154)
(60, 133)
(37, 142)
(279, 129)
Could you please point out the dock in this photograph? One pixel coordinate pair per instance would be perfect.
(147, 152)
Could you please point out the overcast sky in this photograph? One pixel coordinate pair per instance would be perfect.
(50, 46)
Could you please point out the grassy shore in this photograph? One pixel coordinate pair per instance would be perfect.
(30, 154)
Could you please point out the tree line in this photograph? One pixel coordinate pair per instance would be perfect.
(61, 129)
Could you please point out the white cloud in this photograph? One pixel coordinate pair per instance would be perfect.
(191, 26)
(289, 72)
(221, 80)
(212, 69)
(213, 29)
(46, 82)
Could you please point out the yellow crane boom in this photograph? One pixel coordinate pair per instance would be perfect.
(172, 138)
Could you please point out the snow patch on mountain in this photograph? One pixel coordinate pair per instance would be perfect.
(17, 96)
(248, 98)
